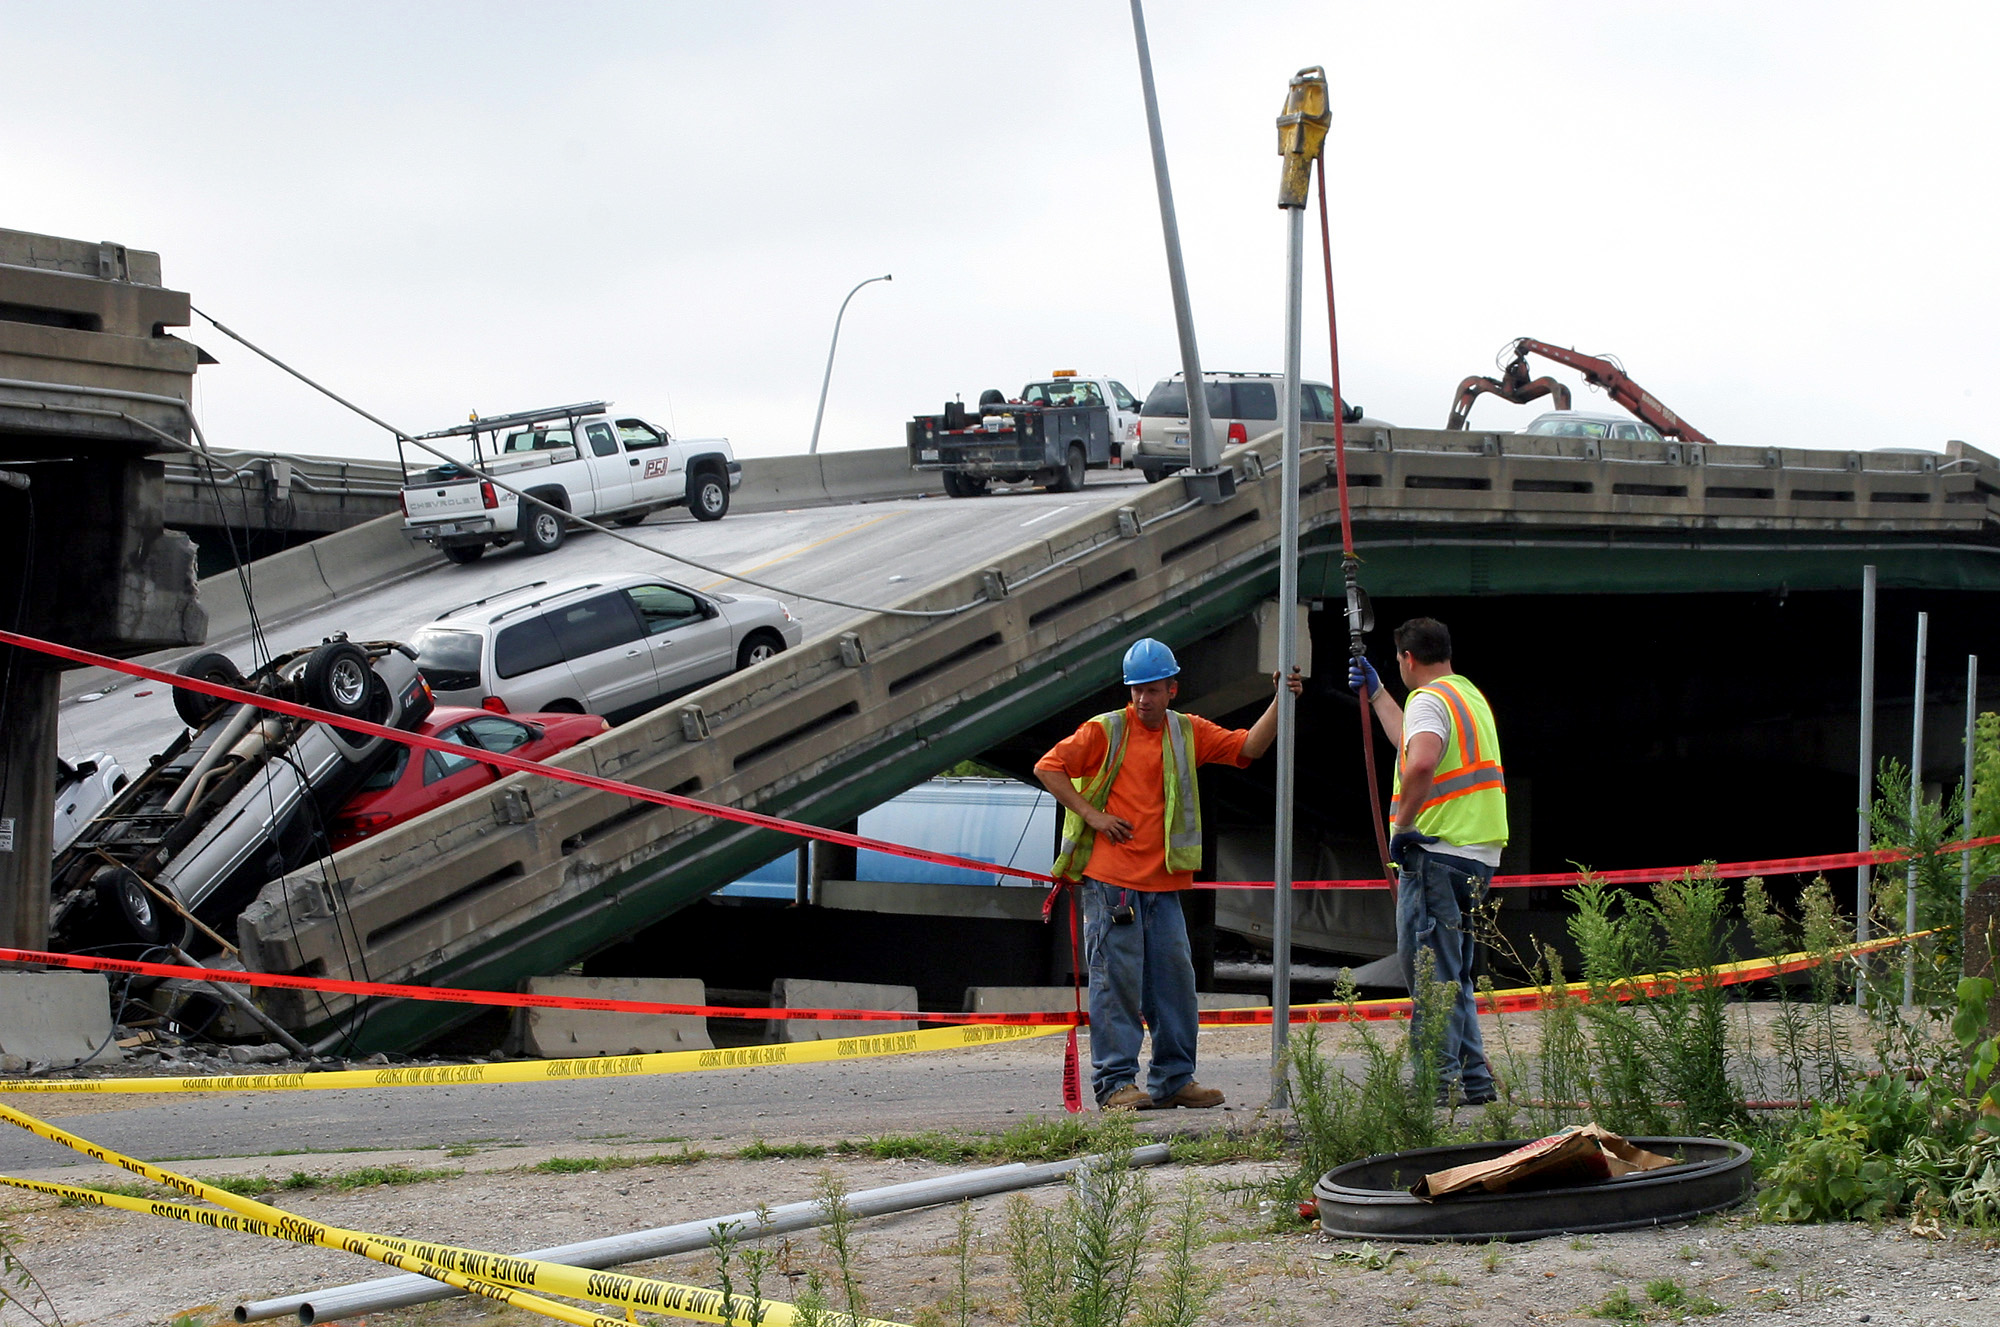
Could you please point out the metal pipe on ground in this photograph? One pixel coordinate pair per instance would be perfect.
(396, 1292)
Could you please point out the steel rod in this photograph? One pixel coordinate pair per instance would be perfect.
(819, 414)
(394, 1292)
(1203, 454)
(1916, 807)
(230, 995)
(1288, 656)
(1865, 829)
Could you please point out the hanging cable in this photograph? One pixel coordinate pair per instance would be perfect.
(499, 483)
(1350, 564)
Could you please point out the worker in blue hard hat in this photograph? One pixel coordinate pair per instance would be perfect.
(1131, 843)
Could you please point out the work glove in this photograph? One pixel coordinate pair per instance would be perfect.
(1361, 676)
(1401, 844)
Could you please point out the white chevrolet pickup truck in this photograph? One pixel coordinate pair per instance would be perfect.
(580, 459)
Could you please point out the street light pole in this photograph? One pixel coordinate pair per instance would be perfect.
(820, 414)
(1206, 479)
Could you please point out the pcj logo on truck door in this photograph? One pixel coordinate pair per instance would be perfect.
(656, 467)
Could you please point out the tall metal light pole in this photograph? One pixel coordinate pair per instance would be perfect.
(820, 414)
(1301, 133)
(1207, 482)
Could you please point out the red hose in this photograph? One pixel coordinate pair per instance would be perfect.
(1349, 560)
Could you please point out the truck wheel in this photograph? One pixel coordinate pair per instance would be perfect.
(708, 496)
(120, 894)
(460, 554)
(544, 530)
(952, 487)
(1070, 478)
(338, 677)
(209, 666)
(1153, 474)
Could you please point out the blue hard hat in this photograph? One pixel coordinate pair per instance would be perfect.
(1149, 661)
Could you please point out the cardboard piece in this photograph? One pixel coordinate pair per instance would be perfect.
(1580, 1154)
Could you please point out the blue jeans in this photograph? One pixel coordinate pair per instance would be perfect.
(1435, 897)
(1141, 976)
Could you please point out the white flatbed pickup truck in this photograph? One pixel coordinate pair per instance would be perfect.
(580, 459)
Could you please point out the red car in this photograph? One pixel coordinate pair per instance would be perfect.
(416, 781)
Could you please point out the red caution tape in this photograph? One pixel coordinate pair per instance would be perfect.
(1639, 875)
(1513, 1000)
(1652, 874)
(507, 999)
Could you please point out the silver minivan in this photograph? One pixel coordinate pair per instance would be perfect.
(610, 645)
(1241, 406)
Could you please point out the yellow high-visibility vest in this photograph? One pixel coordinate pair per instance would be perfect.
(1183, 829)
(1467, 802)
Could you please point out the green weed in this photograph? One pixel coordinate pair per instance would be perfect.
(1619, 1307)
(1669, 1294)
(759, 1150)
(687, 1156)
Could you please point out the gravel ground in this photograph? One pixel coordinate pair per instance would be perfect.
(122, 1269)
(113, 1268)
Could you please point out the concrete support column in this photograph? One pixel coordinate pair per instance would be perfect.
(831, 861)
(28, 697)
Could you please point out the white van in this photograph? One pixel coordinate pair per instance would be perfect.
(610, 645)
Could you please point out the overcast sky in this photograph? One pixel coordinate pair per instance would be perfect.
(1780, 216)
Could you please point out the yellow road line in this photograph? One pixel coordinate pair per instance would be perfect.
(806, 548)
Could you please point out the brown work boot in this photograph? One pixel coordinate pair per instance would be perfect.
(1129, 1097)
(1194, 1096)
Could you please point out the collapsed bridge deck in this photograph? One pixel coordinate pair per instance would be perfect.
(532, 876)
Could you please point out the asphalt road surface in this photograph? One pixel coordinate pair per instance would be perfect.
(971, 1091)
(869, 553)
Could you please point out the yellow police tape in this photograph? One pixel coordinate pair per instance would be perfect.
(970, 1036)
(502, 1277)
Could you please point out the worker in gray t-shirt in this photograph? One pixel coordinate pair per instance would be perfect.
(1448, 823)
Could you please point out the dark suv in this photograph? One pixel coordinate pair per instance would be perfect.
(1241, 406)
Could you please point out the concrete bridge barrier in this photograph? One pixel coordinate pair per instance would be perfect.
(772, 483)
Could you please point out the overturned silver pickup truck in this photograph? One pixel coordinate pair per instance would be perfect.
(240, 798)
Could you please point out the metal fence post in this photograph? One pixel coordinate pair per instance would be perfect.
(1916, 807)
(1864, 830)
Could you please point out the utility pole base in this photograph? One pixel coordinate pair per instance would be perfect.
(1210, 487)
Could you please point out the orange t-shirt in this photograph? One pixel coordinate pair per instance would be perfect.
(1139, 794)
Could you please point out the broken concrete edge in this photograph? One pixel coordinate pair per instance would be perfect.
(56, 1019)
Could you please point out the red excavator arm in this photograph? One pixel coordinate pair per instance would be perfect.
(1513, 385)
